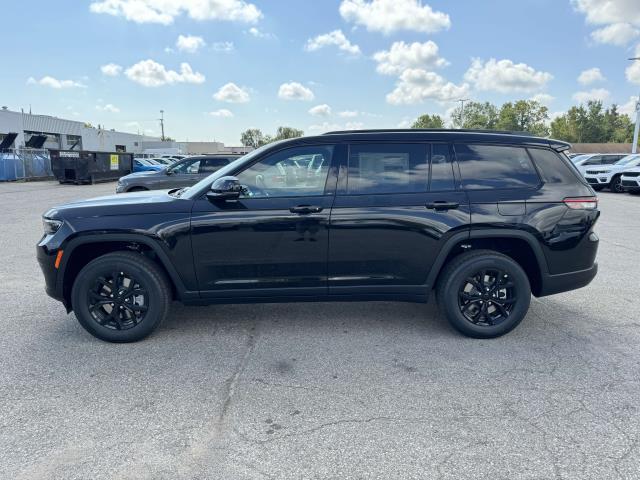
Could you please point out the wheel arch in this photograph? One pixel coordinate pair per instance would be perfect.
(81, 250)
(519, 245)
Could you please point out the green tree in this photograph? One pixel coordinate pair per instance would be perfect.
(252, 137)
(524, 116)
(591, 123)
(476, 116)
(287, 132)
(428, 121)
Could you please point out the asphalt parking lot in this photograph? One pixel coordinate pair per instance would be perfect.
(342, 390)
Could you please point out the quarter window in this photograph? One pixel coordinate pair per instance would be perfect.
(293, 172)
(495, 166)
(388, 168)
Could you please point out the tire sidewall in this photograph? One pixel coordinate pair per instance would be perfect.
(616, 185)
(85, 280)
(466, 269)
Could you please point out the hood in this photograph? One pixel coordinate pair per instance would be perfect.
(142, 174)
(135, 203)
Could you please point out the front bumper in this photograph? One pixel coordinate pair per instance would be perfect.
(603, 179)
(631, 183)
(47, 260)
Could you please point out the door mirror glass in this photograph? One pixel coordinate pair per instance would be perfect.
(225, 188)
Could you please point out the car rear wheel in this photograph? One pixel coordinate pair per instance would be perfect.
(616, 185)
(121, 297)
(484, 294)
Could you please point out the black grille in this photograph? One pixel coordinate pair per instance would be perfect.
(593, 172)
(629, 183)
(631, 174)
(592, 180)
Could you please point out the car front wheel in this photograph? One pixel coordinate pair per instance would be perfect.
(484, 294)
(121, 297)
(616, 185)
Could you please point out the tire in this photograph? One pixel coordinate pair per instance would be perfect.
(616, 185)
(484, 314)
(597, 188)
(137, 189)
(141, 308)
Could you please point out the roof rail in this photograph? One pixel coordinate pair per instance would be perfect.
(408, 130)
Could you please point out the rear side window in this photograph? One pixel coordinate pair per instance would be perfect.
(551, 166)
(441, 168)
(388, 168)
(495, 166)
(210, 165)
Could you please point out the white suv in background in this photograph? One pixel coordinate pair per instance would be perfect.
(603, 176)
(582, 162)
(630, 180)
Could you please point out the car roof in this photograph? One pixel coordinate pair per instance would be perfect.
(433, 135)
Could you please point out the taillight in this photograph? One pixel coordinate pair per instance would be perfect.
(581, 203)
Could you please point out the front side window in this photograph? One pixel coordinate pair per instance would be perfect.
(388, 168)
(495, 166)
(294, 172)
(188, 167)
(210, 165)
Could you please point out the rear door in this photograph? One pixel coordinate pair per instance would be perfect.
(396, 206)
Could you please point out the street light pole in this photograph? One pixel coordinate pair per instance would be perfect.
(162, 124)
(634, 147)
(462, 100)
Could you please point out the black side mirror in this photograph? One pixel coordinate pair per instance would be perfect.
(225, 188)
(168, 171)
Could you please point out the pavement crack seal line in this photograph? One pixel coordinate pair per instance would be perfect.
(214, 431)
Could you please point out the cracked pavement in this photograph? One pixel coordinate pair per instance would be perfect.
(319, 390)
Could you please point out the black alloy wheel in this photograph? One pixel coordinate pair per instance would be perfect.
(118, 301)
(487, 297)
(616, 185)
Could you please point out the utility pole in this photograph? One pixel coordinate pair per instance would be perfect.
(162, 124)
(634, 147)
(462, 100)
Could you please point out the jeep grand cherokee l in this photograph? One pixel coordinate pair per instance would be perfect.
(484, 219)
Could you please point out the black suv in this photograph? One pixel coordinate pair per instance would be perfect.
(485, 219)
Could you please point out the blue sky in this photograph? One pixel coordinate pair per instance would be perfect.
(258, 63)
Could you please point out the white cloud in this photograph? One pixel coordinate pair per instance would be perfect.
(223, 112)
(166, 11)
(108, 108)
(504, 76)
(223, 46)
(619, 34)
(388, 16)
(336, 38)
(111, 69)
(295, 91)
(48, 81)
(153, 74)
(543, 99)
(629, 108)
(417, 85)
(604, 12)
(189, 43)
(323, 110)
(328, 127)
(232, 93)
(633, 70)
(590, 76)
(402, 56)
(594, 94)
(348, 114)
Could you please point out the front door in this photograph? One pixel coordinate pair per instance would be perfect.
(274, 239)
(395, 207)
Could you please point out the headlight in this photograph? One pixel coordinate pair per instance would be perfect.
(51, 226)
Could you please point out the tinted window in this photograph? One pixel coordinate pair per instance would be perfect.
(187, 167)
(441, 168)
(551, 166)
(495, 166)
(387, 168)
(595, 160)
(210, 165)
(293, 172)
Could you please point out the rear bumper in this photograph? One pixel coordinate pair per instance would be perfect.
(564, 282)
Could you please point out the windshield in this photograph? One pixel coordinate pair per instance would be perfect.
(629, 160)
(577, 158)
(205, 183)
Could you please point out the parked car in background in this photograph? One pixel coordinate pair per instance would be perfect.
(144, 165)
(609, 176)
(630, 180)
(182, 173)
(591, 159)
(165, 162)
(484, 219)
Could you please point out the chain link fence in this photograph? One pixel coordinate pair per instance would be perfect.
(25, 164)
